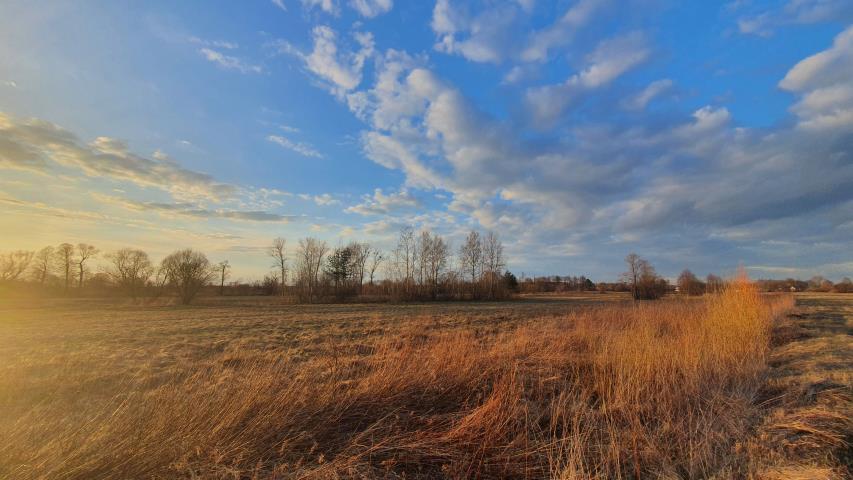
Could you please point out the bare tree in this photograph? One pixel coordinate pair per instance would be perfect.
(43, 264)
(433, 254)
(713, 283)
(405, 260)
(309, 260)
(360, 254)
(493, 262)
(688, 284)
(65, 261)
(632, 276)
(376, 259)
(84, 253)
(187, 271)
(278, 252)
(13, 264)
(471, 257)
(130, 269)
(642, 278)
(223, 268)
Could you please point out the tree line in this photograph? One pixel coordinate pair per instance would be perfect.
(422, 266)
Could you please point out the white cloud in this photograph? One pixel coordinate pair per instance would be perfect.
(37, 145)
(339, 70)
(191, 210)
(280, 4)
(298, 147)
(560, 33)
(763, 22)
(824, 81)
(10, 84)
(372, 8)
(383, 204)
(610, 59)
(322, 200)
(213, 43)
(653, 90)
(498, 32)
(229, 62)
(328, 6)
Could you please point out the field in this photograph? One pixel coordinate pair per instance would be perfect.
(587, 386)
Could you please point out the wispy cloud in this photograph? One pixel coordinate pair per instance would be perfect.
(298, 147)
(194, 211)
(38, 145)
(228, 62)
(380, 203)
(339, 69)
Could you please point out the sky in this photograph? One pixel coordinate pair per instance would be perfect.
(701, 135)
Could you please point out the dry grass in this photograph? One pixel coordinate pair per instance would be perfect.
(652, 390)
(807, 427)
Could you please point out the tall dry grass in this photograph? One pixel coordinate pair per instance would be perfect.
(652, 390)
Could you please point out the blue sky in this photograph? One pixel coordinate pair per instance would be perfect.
(699, 134)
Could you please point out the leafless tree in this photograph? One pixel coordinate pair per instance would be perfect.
(43, 263)
(635, 269)
(642, 279)
(433, 258)
(405, 260)
(187, 271)
(278, 252)
(309, 260)
(376, 259)
(493, 262)
(223, 268)
(360, 254)
(84, 253)
(471, 257)
(130, 269)
(65, 262)
(688, 284)
(13, 264)
(713, 283)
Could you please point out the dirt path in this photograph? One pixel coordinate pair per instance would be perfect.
(807, 430)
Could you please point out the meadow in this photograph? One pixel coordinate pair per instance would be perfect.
(581, 386)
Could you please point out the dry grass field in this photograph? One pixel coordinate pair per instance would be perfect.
(587, 386)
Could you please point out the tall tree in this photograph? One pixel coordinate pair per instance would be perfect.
(187, 272)
(339, 267)
(493, 261)
(84, 253)
(13, 264)
(309, 260)
(642, 279)
(360, 255)
(405, 259)
(278, 252)
(471, 257)
(130, 269)
(43, 264)
(223, 268)
(376, 259)
(434, 253)
(65, 261)
(713, 283)
(688, 284)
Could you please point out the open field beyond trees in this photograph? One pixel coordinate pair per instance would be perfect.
(735, 385)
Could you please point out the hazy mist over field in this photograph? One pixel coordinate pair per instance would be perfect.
(700, 134)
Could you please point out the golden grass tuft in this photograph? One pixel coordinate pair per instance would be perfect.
(651, 390)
